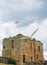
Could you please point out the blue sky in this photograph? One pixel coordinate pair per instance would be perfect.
(31, 14)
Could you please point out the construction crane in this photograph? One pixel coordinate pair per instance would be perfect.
(32, 34)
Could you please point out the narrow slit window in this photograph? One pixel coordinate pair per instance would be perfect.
(23, 58)
(31, 59)
(37, 56)
(12, 43)
(31, 45)
(39, 48)
(3, 46)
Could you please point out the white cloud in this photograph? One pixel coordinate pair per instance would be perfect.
(15, 9)
(45, 55)
(24, 5)
(43, 29)
(10, 29)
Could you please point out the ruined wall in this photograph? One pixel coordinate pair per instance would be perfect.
(23, 50)
(39, 51)
(32, 50)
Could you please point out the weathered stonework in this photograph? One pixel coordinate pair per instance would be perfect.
(23, 49)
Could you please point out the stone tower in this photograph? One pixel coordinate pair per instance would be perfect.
(23, 49)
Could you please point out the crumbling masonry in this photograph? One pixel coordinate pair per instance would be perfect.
(23, 49)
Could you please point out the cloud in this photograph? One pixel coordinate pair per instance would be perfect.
(23, 10)
(45, 55)
(10, 29)
(31, 14)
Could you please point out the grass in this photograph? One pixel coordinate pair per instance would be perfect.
(5, 64)
(2, 64)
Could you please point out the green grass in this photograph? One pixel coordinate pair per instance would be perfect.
(5, 64)
(2, 64)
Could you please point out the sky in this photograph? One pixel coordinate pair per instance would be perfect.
(30, 14)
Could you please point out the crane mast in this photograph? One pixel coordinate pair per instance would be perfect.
(34, 32)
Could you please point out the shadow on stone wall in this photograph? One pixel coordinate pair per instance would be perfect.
(34, 63)
(7, 60)
(17, 62)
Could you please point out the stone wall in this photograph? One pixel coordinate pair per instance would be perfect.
(6, 60)
(18, 46)
(34, 63)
